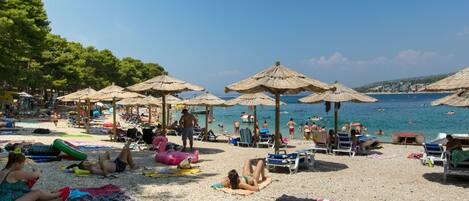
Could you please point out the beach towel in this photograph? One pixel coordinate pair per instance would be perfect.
(458, 156)
(94, 147)
(293, 198)
(415, 156)
(171, 172)
(103, 193)
(220, 187)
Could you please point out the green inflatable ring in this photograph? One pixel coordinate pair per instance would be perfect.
(69, 149)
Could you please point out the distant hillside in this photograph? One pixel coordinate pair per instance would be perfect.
(401, 85)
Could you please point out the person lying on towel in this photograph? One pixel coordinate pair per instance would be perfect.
(105, 165)
(249, 179)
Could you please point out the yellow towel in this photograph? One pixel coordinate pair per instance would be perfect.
(262, 185)
(175, 173)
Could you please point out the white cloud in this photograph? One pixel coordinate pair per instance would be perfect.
(403, 57)
(465, 31)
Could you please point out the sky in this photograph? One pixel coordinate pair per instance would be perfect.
(214, 43)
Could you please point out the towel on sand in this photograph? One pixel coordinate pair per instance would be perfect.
(107, 192)
(171, 172)
(262, 185)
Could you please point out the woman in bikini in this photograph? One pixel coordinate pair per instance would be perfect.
(13, 182)
(249, 179)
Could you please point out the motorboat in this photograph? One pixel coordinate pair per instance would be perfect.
(247, 118)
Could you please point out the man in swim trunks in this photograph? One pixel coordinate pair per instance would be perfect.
(291, 128)
(187, 121)
(105, 165)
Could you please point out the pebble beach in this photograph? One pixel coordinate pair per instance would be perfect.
(385, 174)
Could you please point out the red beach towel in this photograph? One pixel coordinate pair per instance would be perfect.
(103, 190)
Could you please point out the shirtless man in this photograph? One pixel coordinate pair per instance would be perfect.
(105, 165)
(187, 121)
(453, 144)
(291, 128)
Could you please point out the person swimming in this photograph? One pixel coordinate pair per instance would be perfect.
(249, 179)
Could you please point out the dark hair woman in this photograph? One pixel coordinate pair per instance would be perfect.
(249, 179)
(13, 181)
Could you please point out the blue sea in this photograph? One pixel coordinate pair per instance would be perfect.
(400, 112)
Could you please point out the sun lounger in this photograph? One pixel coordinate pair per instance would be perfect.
(433, 152)
(291, 161)
(345, 144)
(264, 140)
(462, 168)
(245, 137)
(320, 142)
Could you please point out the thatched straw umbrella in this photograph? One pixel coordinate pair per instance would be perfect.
(113, 93)
(458, 99)
(340, 93)
(460, 80)
(277, 80)
(164, 85)
(78, 96)
(170, 100)
(253, 100)
(206, 99)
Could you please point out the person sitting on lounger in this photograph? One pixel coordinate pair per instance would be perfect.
(105, 165)
(14, 181)
(453, 144)
(249, 179)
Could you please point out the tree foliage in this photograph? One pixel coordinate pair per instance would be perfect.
(33, 58)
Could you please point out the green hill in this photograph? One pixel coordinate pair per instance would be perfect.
(402, 85)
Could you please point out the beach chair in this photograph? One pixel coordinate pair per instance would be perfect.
(245, 137)
(291, 161)
(433, 152)
(345, 144)
(264, 140)
(320, 142)
(449, 169)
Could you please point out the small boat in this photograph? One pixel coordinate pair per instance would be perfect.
(441, 139)
(247, 118)
(315, 118)
(407, 138)
(200, 112)
(451, 113)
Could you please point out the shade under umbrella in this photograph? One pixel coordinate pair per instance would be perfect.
(206, 99)
(253, 100)
(460, 80)
(113, 93)
(164, 85)
(458, 99)
(277, 80)
(340, 93)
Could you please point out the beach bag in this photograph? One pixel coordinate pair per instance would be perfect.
(41, 131)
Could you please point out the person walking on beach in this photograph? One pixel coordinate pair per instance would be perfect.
(54, 118)
(236, 127)
(265, 125)
(187, 121)
(291, 128)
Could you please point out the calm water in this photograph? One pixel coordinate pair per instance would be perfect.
(402, 112)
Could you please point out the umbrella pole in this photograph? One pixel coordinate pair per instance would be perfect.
(255, 119)
(149, 114)
(164, 113)
(79, 114)
(206, 122)
(168, 113)
(336, 122)
(114, 126)
(88, 115)
(277, 122)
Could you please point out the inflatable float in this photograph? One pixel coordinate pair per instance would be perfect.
(69, 149)
(170, 156)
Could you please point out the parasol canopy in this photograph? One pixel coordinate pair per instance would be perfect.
(458, 99)
(341, 93)
(277, 80)
(460, 80)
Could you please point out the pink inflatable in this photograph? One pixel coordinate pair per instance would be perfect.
(171, 157)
